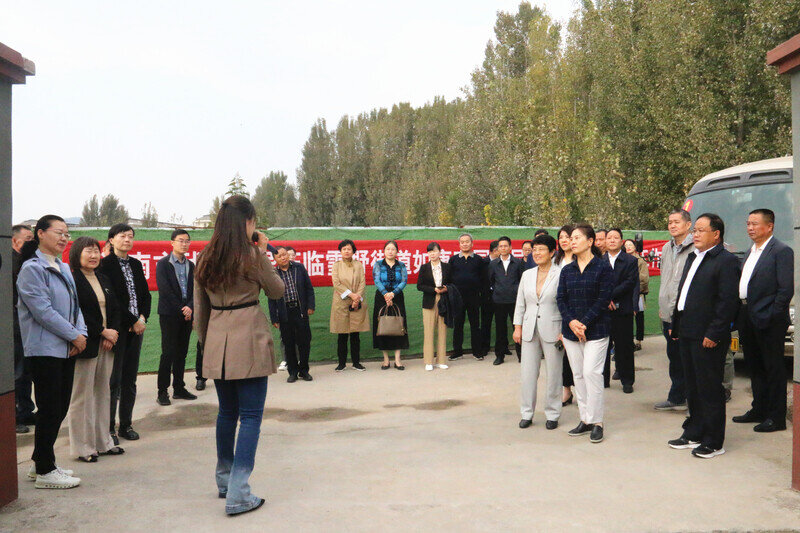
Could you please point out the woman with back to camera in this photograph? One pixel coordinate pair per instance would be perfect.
(564, 257)
(237, 343)
(390, 276)
(88, 416)
(53, 333)
(584, 292)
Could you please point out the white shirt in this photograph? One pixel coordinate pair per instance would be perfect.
(749, 266)
(613, 258)
(505, 262)
(437, 273)
(690, 276)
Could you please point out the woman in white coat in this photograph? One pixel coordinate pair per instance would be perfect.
(537, 326)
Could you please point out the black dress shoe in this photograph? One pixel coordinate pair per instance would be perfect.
(568, 402)
(292, 378)
(305, 376)
(768, 426)
(748, 417)
(627, 389)
(200, 385)
(551, 424)
(525, 423)
(597, 434)
(163, 399)
(615, 377)
(128, 433)
(580, 429)
(183, 394)
(22, 428)
(498, 361)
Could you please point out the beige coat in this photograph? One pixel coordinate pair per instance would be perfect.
(241, 339)
(348, 277)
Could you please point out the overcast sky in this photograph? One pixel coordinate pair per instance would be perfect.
(166, 101)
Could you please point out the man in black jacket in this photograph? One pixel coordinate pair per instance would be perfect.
(175, 279)
(20, 234)
(626, 291)
(766, 288)
(290, 315)
(487, 305)
(504, 275)
(133, 296)
(469, 276)
(708, 301)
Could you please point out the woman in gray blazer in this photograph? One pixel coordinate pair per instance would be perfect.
(537, 326)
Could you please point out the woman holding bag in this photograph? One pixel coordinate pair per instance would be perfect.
(390, 277)
(89, 416)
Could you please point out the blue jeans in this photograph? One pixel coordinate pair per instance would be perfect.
(239, 400)
(677, 392)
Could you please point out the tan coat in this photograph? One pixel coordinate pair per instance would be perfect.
(348, 277)
(241, 339)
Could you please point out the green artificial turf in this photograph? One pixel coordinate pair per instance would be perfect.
(323, 343)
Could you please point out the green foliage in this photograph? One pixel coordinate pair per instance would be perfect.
(275, 201)
(112, 211)
(149, 216)
(610, 121)
(90, 216)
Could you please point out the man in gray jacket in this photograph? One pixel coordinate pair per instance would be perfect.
(673, 259)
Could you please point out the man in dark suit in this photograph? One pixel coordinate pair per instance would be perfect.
(505, 272)
(290, 315)
(708, 301)
(487, 307)
(469, 277)
(626, 291)
(175, 279)
(766, 288)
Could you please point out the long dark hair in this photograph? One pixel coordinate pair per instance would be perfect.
(588, 232)
(559, 252)
(230, 254)
(77, 249)
(44, 223)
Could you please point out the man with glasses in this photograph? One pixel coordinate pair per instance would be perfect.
(175, 278)
(20, 234)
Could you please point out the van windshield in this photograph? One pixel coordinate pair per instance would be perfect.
(734, 204)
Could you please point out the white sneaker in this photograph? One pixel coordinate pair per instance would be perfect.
(443, 367)
(429, 367)
(282, 366)
(32, 472)
(56, 479)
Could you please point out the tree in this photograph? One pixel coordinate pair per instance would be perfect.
(112, 212)
(149, 216)
(216, 203)
(237, 186)
(315, 180)
(91, 212)
(275, 201)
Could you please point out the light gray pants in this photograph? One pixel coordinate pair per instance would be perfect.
(587, 360)
(531, 362)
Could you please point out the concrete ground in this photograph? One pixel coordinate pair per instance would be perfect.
(425, 451)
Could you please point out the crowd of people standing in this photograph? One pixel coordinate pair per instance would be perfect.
(575, 302)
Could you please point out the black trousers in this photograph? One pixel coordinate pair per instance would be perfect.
(622, 337)
(472, 308)
(567, 378)
(487, 313)
(677, 391)
(355, 348)
(296, 338)
(123, 378)
(175, 333)
(763, 353)
(198, 363)
(502, 314)
(22, 378)
(607, 364)
(52, 378)
(640, 326)
(703, 369)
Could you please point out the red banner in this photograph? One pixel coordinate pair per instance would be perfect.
(319, 256)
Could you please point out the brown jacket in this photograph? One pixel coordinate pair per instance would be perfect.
(241, 339)
(348, 277)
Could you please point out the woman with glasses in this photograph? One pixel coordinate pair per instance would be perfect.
(53, 333)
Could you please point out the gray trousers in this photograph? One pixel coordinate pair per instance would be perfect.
(531, 362)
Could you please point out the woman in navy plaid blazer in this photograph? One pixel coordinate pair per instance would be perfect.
(584, 293)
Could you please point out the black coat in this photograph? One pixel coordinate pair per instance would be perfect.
(712, 302)
(92, 314)
(451, 306)
(505, 283)
(626, 282)
(109, 266)
(771, 287)
(427, 285)
(170, 298)
(305, 292)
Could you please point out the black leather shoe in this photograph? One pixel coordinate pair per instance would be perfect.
(128, 433)
(727, 395)
(200, 385)
(580, 429)
(183, 394)
(615, 377)
(597, 434)
(768, 426)
(627, 389)
(551, 424)
(498, 361)
(163, 399)
(525, 423)
(568, 402)
(305, 376)
(292, 378)
(748, 417)
(22, 428)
